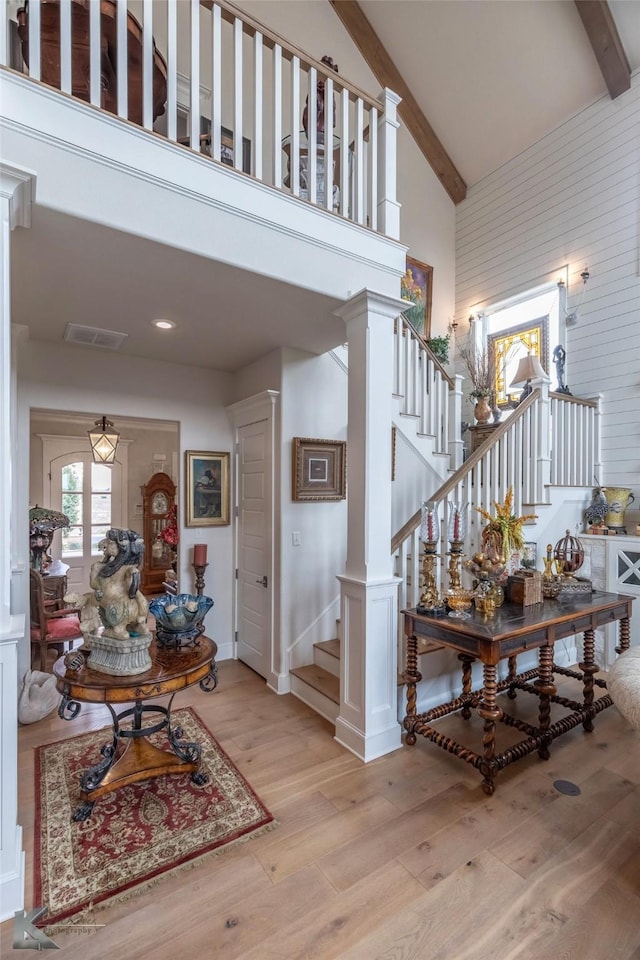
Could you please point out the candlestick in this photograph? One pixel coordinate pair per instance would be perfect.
(199, 554)
(200, 569)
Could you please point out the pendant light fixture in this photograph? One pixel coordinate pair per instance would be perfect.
(104, 441)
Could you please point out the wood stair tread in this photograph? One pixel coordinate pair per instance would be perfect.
(320, 679)
(332, 647)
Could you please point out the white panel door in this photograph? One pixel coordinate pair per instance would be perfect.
(254, 548)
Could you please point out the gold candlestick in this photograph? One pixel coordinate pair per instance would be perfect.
(455, 562)
(429, 598)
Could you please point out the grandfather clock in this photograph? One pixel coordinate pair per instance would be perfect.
(158, 497)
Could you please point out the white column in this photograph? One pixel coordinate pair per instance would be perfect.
(368, 723)
(16, 194)
(388, 206)
(456, 444)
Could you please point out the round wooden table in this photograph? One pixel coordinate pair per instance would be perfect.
(130, 756)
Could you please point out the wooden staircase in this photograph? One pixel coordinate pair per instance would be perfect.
(551, 440)
(318, 684)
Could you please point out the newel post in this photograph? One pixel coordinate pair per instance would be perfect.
(543, 440)
(388, 206)
(597, 438)
(455, 441)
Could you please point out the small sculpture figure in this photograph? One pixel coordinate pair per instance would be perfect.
(115, 580)
(597, 509)
(328, 61)
(559, 357)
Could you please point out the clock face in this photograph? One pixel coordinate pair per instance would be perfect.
(160, 503)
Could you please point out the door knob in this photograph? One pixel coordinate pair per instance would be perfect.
(264, 581)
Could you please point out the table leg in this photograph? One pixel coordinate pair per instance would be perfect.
(186, 750)
(589, 667)
(511, 676)
(490, 712)
(546, 689)
(210, 682)
(624, 635)
(411, 678)
(466, 681)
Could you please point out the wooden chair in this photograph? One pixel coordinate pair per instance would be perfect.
(50, 625)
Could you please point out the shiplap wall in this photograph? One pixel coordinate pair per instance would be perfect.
(570, 201)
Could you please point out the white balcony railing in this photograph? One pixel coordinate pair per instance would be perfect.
(210, 78)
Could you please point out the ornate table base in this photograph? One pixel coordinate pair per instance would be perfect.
(130, 756)
(140, 759)
(514, 630)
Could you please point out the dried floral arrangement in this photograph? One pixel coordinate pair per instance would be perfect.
(480, 366)
(503, 533)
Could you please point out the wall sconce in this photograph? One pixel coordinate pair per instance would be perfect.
(453, 325)
(104, 441)
(571, 316)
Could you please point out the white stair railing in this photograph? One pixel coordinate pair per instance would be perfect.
(550, 440)
(222, 107)
(575, 440)
(426, 391)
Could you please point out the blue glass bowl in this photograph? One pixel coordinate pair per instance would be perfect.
(179, 619)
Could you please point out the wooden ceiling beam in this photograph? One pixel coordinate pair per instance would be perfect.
(604, 38)
(387, 74)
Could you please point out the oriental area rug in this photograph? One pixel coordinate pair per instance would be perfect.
(138, 832)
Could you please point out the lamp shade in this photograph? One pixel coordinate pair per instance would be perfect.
(529, 368)
(104, 441)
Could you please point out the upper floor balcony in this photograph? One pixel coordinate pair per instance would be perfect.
(225, 139)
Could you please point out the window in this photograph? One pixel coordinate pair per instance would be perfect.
(527, 322)
(87, 506)
(510, 347)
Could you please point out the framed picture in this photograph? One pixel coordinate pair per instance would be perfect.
(319, 469)
(207, 488)
(417, 286)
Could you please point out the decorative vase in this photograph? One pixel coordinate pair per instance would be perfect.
(482, 410)
(618, 499)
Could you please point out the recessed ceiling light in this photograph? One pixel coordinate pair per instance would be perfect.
(163, 324)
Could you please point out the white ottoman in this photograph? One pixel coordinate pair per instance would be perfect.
(623, 683)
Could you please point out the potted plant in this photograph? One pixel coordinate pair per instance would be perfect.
(439, 347)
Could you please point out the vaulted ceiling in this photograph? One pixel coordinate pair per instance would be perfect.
(484, 79)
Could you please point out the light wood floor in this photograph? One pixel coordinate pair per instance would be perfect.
(404, 858)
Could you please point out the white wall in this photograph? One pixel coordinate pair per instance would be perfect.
(313, 404)
(571, 199)
(77, 380)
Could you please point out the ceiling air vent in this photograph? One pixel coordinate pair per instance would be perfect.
(94, 336)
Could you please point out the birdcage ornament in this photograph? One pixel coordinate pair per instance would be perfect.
(568, 555)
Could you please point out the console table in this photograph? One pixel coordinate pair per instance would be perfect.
(511, 631)
(130, 757)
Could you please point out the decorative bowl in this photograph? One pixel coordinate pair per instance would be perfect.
(179, 619)
(459, 601)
